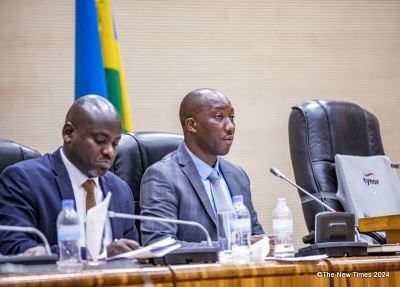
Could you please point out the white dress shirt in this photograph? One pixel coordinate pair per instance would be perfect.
(77, 179)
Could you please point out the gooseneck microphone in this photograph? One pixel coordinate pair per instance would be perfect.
(29, 230)
(277, 173)
(112, 214)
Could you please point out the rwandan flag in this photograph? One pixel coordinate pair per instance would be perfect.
(98, 65)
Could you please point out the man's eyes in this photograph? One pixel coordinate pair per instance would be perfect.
(103, 141)
(100, 140)
(220, 117)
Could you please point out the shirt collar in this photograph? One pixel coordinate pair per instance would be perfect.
(76, 176)
(203, 168)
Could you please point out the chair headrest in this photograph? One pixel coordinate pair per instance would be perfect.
(11, 153)
(340, 128)
(137, 151)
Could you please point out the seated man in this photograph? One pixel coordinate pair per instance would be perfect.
(31, 191)
(179, 186)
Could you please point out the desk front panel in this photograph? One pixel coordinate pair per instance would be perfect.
(271, 273)
(336, 272)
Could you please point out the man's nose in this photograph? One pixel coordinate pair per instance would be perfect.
(230, 126)
(109, 149)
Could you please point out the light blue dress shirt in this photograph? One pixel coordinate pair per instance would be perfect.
(204, 170)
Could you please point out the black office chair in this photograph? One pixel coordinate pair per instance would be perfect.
(136, 152)
(318, 130)
(11, 152)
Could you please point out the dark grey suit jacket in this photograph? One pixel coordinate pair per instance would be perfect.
(172, 188)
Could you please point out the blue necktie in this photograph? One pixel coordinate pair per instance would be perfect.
(220, 200)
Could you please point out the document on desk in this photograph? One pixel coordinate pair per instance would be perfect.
(302, 258)
(157, 249)
(383, 248)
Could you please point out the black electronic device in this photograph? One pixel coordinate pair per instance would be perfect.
(335, 249)
(334, 231)
(337, 227)
(29, 260)
(188, 255)
(183, 255)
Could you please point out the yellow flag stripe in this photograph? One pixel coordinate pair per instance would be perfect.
(108, 43)
(126, 111)
(112, 57)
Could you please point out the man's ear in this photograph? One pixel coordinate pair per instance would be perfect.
(68, 132)
(190, 124)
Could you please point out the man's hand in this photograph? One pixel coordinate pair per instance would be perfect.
(256, 238)
(271, 245)
(121, 246)
(37, 250)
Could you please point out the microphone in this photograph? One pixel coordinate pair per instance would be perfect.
(277, 173)
(319, 219)
(113, 214)
(29, 230)
(183, 255)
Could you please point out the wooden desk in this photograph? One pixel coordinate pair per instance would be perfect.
(353, 272)
(159, 276)
(271, 273)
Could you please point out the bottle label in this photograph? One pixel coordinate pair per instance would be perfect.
(68, 233)
(282, 226)
(241, 226)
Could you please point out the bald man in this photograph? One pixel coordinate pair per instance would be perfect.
(31, 191)
(179, 186)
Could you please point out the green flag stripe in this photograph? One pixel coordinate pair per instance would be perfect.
(114, 91)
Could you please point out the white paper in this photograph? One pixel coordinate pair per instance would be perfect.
(157, 249)
(95, 222)
(260, 250)
(303, 258)
(158, 252)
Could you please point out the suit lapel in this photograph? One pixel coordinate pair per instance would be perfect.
(190, 170)
(116, 224)
(229, 178)
(61, 176)
(67, 192)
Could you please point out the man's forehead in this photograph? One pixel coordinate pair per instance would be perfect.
(217, 103)
(101, 125)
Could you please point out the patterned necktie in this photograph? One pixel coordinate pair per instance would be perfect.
(221, 203)
(90, 199)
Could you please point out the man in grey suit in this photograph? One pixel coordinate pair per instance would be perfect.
(179, 186)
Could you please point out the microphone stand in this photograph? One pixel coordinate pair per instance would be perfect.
(359, 251)
(112, 214)
(277, 173)
(29, 230)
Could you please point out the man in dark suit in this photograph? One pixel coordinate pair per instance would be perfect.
(31, 191)
(179, 186)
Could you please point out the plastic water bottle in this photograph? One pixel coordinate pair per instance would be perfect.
(240, 226)
(282, 224)
(68, 233)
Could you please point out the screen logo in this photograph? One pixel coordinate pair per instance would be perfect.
(369, 181)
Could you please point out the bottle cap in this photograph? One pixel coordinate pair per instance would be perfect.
(237, 199)
(68, 203)
(281, 201)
